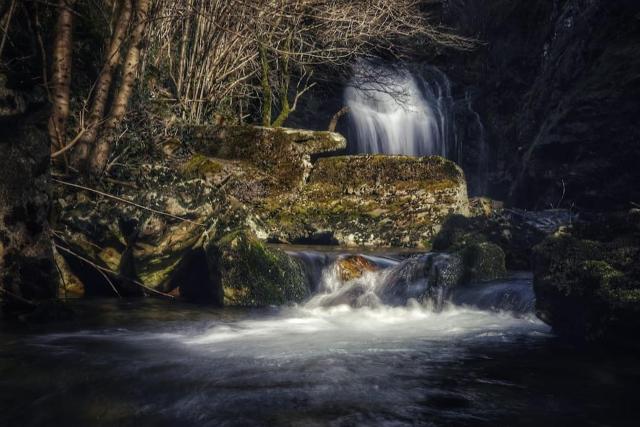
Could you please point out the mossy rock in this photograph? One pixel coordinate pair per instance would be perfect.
(200, 166)
(255, 275)
(589, 289)
(369, 200)
(283, 153)
(483, 262)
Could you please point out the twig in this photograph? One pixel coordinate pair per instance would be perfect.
(120, 199)
(5, 30)
(104, 270)
(18, 297)
(92, 264)
(70, 145)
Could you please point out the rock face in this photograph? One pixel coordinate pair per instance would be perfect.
(587, 281)
(370, 201)
(210, 255)
(27, 269)
(555, 83)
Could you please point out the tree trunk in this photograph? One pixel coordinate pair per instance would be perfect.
(103, 86)
(27, 270)
(267, 94)
(61, 74)
(102, 148)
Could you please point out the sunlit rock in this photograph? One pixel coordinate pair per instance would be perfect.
(370, 200)
(354, 266)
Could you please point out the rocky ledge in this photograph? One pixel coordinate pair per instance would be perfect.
(369, 201)
(196, 223)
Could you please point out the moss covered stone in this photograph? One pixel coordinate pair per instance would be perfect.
(589, 289)
(253, 274)
(483, 262)
(370, 200)
(283, 153)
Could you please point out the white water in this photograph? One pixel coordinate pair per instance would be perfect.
(351, 316)
(395, 112)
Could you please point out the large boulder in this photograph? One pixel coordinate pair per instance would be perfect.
(284, 154)
(369, 200)
(253, 274)
(587, 282)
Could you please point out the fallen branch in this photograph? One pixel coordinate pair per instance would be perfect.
(120, 199)
(334, 119)
(104, 270)
(18, 297)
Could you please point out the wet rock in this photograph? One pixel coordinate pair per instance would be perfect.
(483, 262)
(354, 266)
(587, 282)
(255, 275)
(515, 231)
(423, 277)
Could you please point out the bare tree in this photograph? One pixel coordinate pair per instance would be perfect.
(102, 148)
(61, 74)
(233, 50)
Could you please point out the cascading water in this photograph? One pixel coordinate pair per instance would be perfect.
(412, 111)
(393, 112)
(431, 280)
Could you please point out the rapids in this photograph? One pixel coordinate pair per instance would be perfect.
(480, 359)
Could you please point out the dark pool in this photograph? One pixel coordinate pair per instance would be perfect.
(153, 363)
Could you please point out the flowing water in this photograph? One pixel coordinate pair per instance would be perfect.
(481, 358)
(412, 110)
(392, 111)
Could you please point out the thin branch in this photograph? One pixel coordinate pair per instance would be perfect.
(104, 270)
(120, 199)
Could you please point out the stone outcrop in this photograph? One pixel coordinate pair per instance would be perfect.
(587, 280)
(195, 226)
(369, 200)
(27, 270)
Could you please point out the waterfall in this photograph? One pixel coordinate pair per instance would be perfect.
(394, 111)
(411, 110)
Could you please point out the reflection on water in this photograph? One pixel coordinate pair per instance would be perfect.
(149, 363)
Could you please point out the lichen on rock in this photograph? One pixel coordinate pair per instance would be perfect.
(370, 200)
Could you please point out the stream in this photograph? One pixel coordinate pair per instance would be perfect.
(481, 359)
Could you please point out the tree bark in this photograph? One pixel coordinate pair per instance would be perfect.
(103, 85)
(102, 148)
(267, 94)
(61, 74)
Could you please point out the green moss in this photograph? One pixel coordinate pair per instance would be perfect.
(483, 262)
(256, 275)
(200, 166)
